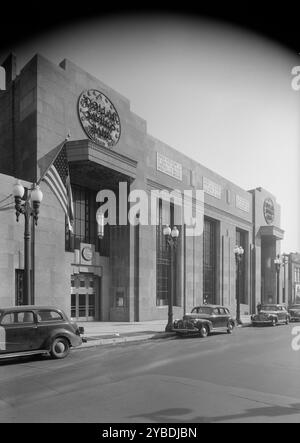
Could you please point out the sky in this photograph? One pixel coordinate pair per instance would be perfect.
(220, 94)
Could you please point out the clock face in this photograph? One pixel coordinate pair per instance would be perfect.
(87, 253)
(99, 118)
(269, 210)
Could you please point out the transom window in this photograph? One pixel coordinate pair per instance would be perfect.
(85, 224)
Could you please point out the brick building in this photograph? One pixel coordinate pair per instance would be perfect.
(126, 275)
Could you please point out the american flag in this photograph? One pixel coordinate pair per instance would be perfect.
(57, 177)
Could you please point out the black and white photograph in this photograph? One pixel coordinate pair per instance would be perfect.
(149, 217)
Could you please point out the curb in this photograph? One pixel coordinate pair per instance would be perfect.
(130, 339)
(126, 339)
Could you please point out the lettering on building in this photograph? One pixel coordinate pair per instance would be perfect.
(212, 188)
(269, 210)
(242, 203)
(99, 118)
(168, 166)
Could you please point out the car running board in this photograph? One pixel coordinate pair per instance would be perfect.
(23, 353)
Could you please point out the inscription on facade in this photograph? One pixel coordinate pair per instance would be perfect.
(212, 188)
(242, 203)
(269, 210)
(99, 118)
(168, 166)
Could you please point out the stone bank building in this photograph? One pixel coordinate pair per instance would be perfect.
(126, 275)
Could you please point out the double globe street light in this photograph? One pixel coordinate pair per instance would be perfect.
(171, 236)
(27, 202)
(278, 263)
(238, 252)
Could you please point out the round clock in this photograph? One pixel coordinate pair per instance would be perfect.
(87, 253)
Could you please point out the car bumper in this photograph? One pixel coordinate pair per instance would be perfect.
(262, 322)
(185, 330)
(76, 341)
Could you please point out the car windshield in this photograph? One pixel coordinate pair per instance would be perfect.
(202, 310)
(269, 308)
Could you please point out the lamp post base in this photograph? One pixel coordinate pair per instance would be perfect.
(169, 327)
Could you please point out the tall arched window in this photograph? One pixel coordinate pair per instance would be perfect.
(163, 262)
(241, 287)
(209, 261)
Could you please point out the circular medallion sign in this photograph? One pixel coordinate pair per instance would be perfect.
(269, 210)
(99, 118)
(87, 253)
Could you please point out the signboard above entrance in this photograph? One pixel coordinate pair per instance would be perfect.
(99, 118)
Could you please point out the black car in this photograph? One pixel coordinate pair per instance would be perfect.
(294, 311)
(205, 319)
(271, 314)
(27, 330)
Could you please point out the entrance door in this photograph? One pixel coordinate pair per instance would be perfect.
(83, 297)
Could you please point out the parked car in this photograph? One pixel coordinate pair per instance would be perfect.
(28, 330)
(204, 320)
(294, 311)
(271, 314)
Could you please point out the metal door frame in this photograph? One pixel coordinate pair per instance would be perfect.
(86, 290)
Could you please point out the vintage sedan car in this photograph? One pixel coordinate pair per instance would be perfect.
(294, 311)
(29, 330)
(271, 314)
(204, 320)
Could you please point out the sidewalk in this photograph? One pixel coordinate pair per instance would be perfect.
(110, 333)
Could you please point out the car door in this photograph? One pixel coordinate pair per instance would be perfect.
(19, 330)
(223, 318)
(280, 313)
(48, 320)
(215, 318)
(284, 314)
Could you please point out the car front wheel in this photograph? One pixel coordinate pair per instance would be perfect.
(204, 331)
(60, 347)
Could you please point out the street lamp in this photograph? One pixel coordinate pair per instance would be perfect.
(27, 202)
(285, 264)
(100, 225)
(171, 236)
(238, 252)
(278, 263)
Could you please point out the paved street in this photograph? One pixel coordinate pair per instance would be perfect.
(250, 376)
